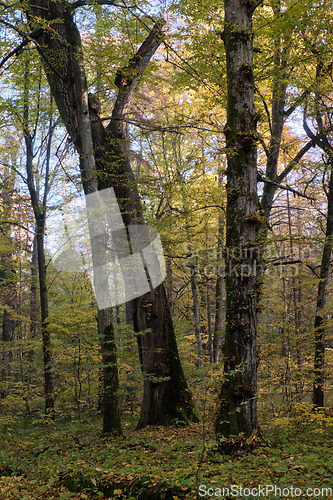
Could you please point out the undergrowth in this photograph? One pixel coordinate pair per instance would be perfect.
(41, 459)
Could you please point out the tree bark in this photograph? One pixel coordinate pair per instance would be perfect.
(169, 280)
(33, 289)
(237, 414)
(164, 398)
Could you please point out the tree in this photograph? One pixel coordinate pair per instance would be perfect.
(219, 287)
(39, 205)
(7, 266)
(323, 118)
(104, 163)
(237, 413)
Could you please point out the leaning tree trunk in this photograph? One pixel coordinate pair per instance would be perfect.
(166, 394)
(237, 414)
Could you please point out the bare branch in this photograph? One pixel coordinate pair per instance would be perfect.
(314, 138)
(15, 170)
(266, 109)
(84, 3)
(31, 37)
(295, 160)
(260, 178)
(296, 104)
(14, 52)
(279, 262)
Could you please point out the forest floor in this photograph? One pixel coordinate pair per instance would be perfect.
(70, 459)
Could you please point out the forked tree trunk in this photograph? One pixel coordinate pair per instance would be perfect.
(237, 414)
(84, 142)
(166, 397)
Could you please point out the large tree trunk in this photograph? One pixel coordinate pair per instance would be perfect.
(33, 289)
(237, 414)
(113, 166)
(166, 397)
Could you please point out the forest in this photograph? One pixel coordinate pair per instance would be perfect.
(166, 241)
